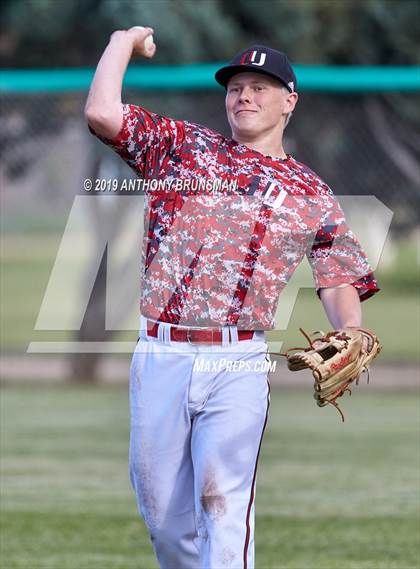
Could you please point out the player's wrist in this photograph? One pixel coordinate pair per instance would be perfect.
(122, 37)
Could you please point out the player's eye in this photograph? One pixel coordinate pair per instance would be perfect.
(259, 87)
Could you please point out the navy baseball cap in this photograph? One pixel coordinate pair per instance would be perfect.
(260, 59)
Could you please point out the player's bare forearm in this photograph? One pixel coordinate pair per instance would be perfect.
(342, 306)
(103, 109)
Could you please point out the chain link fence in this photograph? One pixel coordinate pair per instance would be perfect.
(359, 144)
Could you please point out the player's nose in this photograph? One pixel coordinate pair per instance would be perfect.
(245, 95)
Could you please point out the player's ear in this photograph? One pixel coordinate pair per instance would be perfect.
(292, 99)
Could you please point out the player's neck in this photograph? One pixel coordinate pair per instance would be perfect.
(265, 144)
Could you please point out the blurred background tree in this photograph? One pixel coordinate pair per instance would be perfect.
(51, 33)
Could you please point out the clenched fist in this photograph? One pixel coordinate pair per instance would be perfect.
(142, 39)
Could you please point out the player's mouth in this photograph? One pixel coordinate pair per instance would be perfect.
(244, 111)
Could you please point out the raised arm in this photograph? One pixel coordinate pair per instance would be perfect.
(342, 306)
(103, 109)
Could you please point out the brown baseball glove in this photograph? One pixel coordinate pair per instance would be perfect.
(336, 359)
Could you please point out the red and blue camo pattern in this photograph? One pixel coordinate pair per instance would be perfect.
(213, 258)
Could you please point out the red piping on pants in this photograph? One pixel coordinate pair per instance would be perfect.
(251, 499)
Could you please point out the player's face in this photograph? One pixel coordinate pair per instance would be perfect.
(257, 105)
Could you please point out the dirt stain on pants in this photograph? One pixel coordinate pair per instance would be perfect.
(212, 501)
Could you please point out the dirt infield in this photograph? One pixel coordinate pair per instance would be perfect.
(27, 368)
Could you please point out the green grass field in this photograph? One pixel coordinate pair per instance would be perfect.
(330, 495)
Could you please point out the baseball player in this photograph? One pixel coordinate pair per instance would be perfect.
(227, 222)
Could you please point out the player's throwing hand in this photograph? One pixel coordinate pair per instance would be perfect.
(143, 43)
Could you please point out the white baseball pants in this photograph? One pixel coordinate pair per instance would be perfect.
(198, 414)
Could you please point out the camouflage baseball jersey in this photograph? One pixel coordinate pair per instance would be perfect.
(226, 226)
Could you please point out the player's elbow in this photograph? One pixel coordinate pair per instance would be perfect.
(96, 116)
(104, 120)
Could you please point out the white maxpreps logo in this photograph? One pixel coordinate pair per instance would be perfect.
(261, 61)
(291, 85)
(73, 276)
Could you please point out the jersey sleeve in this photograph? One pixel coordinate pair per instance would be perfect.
(145, 139)
(336, 256)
